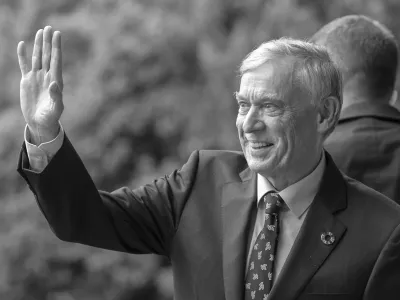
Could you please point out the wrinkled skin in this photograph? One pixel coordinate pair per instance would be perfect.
(279, 128)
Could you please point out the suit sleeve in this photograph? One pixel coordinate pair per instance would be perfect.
(143, 220)
(384, 282)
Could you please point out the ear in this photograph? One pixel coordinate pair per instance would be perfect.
(328, 115)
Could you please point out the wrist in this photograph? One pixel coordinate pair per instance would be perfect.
(39, 135)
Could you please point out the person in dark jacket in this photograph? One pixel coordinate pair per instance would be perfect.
(366, 142)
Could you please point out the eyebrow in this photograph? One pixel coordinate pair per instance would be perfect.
(239, 97)
(262, 97)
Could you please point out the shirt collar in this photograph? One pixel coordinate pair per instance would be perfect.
(299, 195)
(369, 109)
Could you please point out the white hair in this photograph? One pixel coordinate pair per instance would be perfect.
(313, 68)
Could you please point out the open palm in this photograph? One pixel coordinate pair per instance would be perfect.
(41, 87)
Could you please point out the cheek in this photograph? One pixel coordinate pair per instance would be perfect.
(287, 131)
(239, 124)
(305, 130)
(283, 130)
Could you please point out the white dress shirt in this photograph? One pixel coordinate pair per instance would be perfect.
(40, 156)
(298, 198)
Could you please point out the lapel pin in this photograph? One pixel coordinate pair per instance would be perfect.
(327, 238)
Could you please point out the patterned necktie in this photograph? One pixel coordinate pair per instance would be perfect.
(259, 276)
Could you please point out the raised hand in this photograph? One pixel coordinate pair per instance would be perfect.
(41, 87)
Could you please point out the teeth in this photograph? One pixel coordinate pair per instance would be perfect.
(259, 144)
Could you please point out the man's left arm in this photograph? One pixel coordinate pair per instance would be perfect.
(384, 282)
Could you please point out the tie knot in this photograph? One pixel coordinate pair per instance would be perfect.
(273, 202)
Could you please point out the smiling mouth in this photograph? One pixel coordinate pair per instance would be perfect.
(259, 145)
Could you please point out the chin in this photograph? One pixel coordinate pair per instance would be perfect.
(258, 165)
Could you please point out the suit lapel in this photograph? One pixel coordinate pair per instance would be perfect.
(237, 200)
(309, 252)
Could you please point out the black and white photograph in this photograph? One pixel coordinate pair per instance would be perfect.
(199, 150)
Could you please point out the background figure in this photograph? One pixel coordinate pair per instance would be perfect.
(366, 142)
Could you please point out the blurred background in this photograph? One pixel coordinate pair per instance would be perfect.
(146, 83)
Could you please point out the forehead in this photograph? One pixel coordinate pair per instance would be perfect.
(272, 79)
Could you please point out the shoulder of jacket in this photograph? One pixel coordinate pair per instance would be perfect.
(380, 205)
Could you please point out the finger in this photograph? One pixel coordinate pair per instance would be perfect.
(46, 55)
(55, 92)
(37, 51)
(22, 60)
(56, 97)
(56, 59)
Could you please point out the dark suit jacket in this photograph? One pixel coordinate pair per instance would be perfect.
(366, 146)
(198, 217)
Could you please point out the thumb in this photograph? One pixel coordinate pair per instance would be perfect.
(55, 92)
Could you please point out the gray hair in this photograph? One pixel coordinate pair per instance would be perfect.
(313, 67)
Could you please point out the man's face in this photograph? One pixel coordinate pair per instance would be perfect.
(277, 123)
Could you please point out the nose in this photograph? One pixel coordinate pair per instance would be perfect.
(252, 121)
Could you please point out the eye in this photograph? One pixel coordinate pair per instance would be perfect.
(268, 105)
(243, 106)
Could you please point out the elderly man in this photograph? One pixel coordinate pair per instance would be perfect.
(276, 221)
(366, 143)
